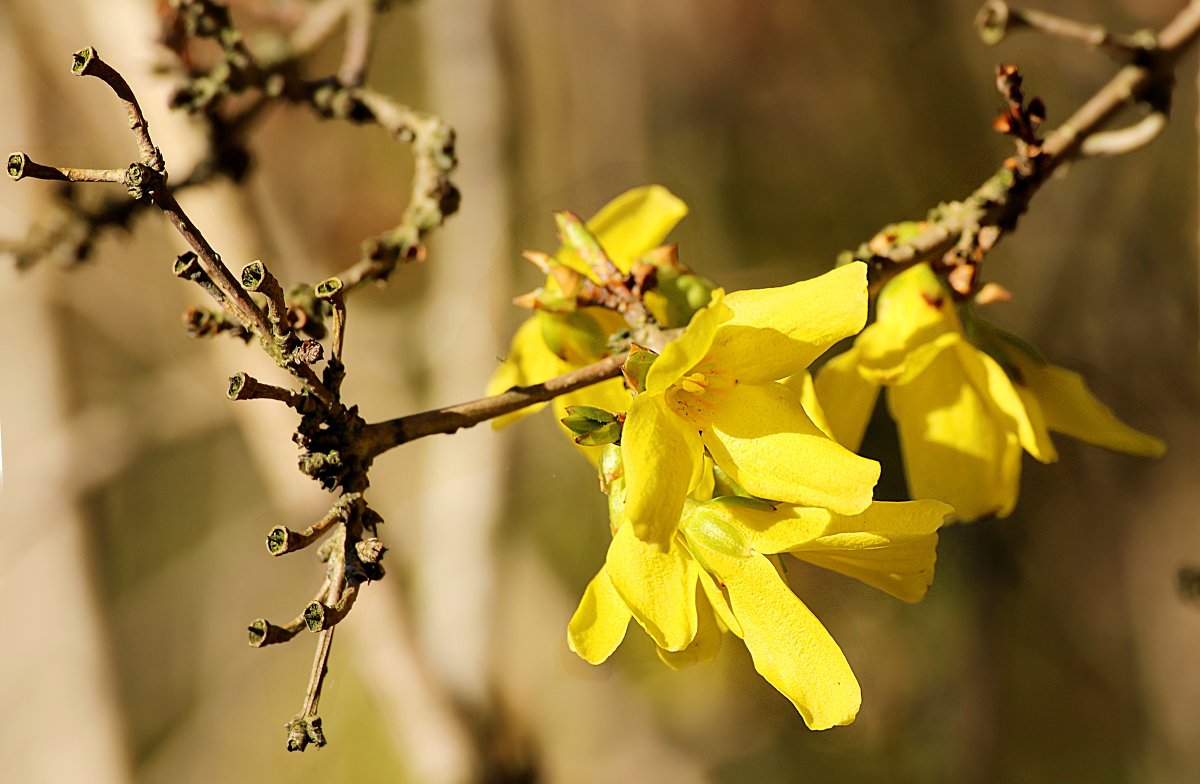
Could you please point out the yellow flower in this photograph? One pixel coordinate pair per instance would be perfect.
(720, 573)
(550, 344)
(962, 417)
(716, 388)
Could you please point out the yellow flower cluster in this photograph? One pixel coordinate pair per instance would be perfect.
(688, 566)
(731, 456)
(963, 414)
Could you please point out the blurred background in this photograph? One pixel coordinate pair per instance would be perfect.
(1053, 646)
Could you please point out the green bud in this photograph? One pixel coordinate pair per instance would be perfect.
(574, 337)
(574, 234)
(682, 296)
(637, 366)
(709, 527)
(606, 434)
(592, 426)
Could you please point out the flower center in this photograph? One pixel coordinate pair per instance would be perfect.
(689, 397)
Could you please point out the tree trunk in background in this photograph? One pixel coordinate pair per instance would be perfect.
(453, 558)
(63, 716)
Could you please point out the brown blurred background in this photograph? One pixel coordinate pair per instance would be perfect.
(1053, 646)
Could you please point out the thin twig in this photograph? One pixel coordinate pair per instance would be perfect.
(87, 62)
(356, 55)
(963, 231)
(997, 18)
(379, 437)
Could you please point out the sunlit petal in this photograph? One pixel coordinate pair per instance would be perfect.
(682, 354)
(598, 625)
(1071, 408)
(847, 398)
(777, 332)
(658, 587)
(993, 385)
(660, 452)
(955, 449)
(891, 546)
(790, 647)
(635, 222)
(704, 646)
(760, 435)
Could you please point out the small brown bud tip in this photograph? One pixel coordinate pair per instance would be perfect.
(83, 59)
(1037, 111)
(962, 279)
(254, 275)
(993, 292)
(308, 352)
(315, 616)
(328, 288)
(370, 550)
(538, 259)
(16, 165)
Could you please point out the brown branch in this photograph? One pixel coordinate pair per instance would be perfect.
(87, 62)
(957, 235)
(21, 166)
(379, 437)
(997, 18)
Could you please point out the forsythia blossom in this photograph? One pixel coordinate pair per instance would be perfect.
(963, 413)
(720, 573)
(713, 416)
(716, 388)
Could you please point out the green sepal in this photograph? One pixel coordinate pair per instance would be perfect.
(725, 487)
(575, 234)
(637, 366)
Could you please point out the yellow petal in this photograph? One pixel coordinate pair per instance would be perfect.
(528, 362)
(660, 451)
(682, 354)
(802, 385)
(598, 625)
(914, 321)
(993, 385)
(760, 435)
(891, 546)
(955, 448)
(719, 601)
(703, 482)
(769, 529)
(631, 224)
(1071, 408)
(704, 647)
(777, 332)
(790, 647)
(846, 397)
(658, 587)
